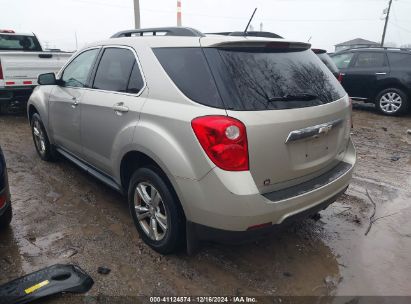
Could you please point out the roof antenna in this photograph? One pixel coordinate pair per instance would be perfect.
(248, 24)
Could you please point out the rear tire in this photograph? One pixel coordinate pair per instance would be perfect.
(158, 217)
(4, 108)
(6, 217)
(44, 149)
(392, 102)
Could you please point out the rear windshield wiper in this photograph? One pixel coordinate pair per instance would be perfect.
(295, 97)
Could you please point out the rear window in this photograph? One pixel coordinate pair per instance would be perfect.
(19, 43)
(251, 79)
(325, 58)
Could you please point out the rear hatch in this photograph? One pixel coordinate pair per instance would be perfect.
(296, 113)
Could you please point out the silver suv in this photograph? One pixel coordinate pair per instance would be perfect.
(211, 137)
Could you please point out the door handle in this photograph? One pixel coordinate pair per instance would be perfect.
(120, 108)
(75, 102)
(381, 73)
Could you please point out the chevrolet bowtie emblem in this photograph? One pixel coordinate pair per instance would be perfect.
(325, 129)
(313, 131)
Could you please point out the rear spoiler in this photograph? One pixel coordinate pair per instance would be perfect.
(264, 44)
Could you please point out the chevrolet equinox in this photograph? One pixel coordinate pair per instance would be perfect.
(211, 137)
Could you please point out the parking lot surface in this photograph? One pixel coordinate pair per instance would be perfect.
(63, 215)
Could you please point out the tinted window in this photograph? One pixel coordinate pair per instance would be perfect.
(19, 43)
(189, 71)
(264, 79)
(136, 82)
(342, 61)
(400, 60)
(328, 62)
(370, 60)
(78, 70)
(114, 70)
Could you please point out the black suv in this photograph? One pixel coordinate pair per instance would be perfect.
(378, 75)
(5, 206)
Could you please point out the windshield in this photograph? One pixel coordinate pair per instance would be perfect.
(263, 79)
(19, 43)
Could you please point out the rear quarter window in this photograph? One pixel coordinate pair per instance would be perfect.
(400, 60)
(188, 69)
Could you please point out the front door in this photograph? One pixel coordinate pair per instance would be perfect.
(65, 102)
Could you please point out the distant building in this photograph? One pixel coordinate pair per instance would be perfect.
(355, 43)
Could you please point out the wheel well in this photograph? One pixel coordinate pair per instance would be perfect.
(389, 86)
(134, 160)
(131, 162)
(32, 110)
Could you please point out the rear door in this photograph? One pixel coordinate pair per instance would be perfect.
(366, 70)
(295, 111)
(65, 102)
(111, 108)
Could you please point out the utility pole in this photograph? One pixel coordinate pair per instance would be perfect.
(178, 12)
(386, 23)
(137, 14)
(75, 36)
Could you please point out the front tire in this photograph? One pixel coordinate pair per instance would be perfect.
(41, 141)
(5, 218)
(156, 211)
(392, 102)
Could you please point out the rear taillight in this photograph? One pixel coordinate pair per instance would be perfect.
(1, 72)
(340, 77)
(224, 139)
(352, 124)
(3, 199)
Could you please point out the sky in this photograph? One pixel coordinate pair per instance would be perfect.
(322, 22)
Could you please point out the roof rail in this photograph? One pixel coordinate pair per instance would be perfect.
(249, 33)
(376, 47)
(160, 31)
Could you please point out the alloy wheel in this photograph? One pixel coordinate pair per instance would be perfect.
(150, 211)
(39, 137)
(390, 102)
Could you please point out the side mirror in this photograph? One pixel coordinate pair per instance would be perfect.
(47, 79)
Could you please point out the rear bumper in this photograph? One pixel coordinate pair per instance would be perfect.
(21, 94)
(4, 205)
(4, 187)
(235, 204)
(205, 233)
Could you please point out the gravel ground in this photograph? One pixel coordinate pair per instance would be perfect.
(63, 215)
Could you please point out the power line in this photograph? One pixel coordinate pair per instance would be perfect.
(400, 27)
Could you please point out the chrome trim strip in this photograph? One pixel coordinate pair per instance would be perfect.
(313, 131)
